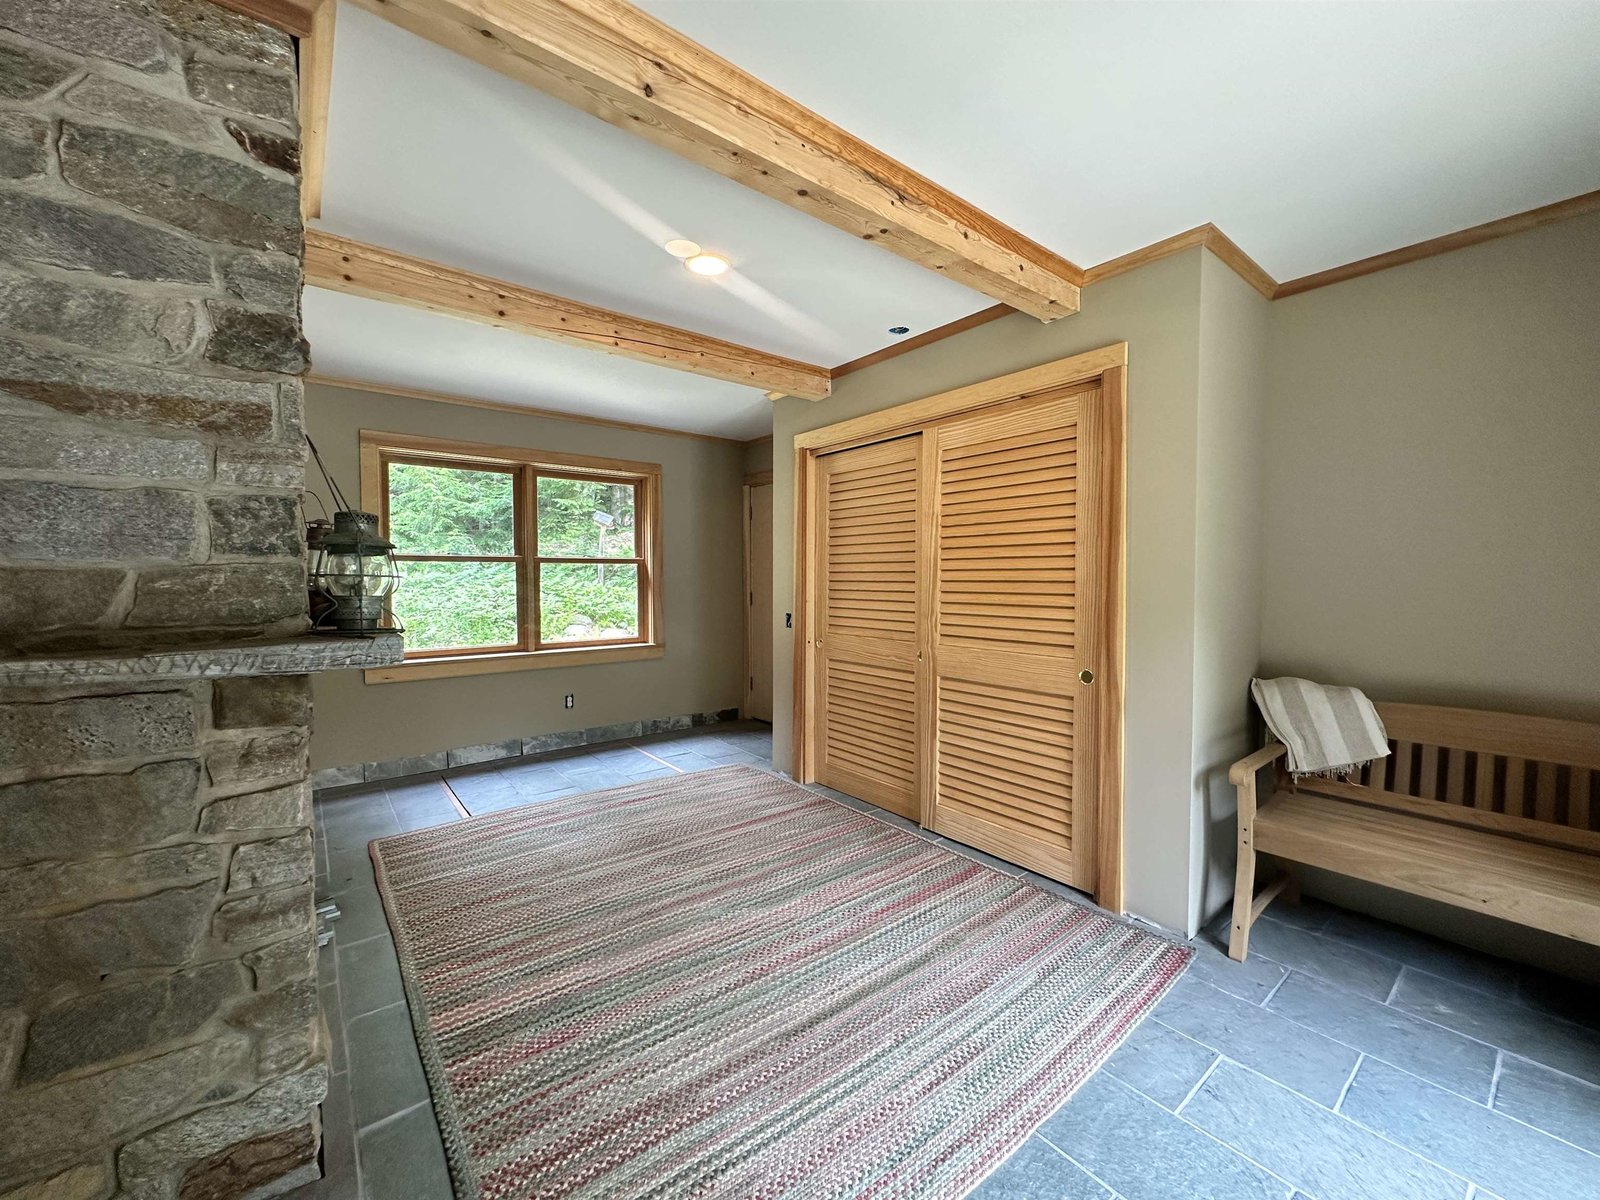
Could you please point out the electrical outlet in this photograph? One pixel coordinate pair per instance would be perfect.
(569, 701)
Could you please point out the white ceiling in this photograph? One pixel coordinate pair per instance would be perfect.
(1312, 134)
(373, 341)
(467, 167)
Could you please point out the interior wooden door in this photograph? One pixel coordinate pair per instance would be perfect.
(758, 616)
(1012, 741)
(867, 611)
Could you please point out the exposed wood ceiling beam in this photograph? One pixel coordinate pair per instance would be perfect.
(625, 67)
(291, 16)
(316, 84)
(343, 265)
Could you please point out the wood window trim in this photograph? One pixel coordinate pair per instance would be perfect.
(378, 447)
(1108, 366)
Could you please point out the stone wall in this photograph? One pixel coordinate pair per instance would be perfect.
(159, 1033)
(157, 937)
(150, 345)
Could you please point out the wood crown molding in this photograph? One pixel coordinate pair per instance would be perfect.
(521, 410)
(1533, 218)
(629, 69)
(345, 265)
(1209, 237)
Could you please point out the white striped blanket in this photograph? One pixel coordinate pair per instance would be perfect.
(1331, 732)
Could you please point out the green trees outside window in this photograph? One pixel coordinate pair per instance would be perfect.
(468, 515)
(459, 532)
(587, 601)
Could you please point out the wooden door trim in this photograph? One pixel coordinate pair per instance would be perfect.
(747, 518)
(1110, 617)
(752, 481)
(1018, 385)
(1109, 366)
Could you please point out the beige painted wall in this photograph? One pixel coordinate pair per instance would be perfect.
(1433, 479)
(1432, 516)
(758, 455)
(701, 482)
(1155, 310)
(1393, 483)
(1227, 616)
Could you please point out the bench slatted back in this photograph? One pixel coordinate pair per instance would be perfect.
(1536, 777)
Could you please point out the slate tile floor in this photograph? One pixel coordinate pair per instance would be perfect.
(1347, 1060)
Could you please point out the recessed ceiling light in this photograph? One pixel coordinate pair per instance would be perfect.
(897, 330)
(706, 264)
(682, 248)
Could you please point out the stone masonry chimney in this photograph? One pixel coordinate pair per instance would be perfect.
(159, 1026)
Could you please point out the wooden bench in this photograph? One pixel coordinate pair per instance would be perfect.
(1488, 811)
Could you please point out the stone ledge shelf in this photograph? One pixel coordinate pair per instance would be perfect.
(285, 656)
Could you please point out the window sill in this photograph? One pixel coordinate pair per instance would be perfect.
(520, 660)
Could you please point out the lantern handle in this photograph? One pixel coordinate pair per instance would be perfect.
(333, 488)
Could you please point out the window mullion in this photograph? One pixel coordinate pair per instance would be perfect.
(641, 550)
(530, 533)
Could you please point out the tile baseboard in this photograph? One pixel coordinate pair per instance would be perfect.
(329, 778)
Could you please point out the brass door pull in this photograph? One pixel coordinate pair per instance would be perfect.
(1086, 676)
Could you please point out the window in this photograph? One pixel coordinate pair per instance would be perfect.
(514, 558)
(455, 531)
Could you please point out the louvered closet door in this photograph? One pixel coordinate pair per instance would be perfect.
(867, 623)
(1012, 740)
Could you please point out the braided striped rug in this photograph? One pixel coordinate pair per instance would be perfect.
(724, 985)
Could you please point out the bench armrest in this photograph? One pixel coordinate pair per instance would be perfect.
(1244, 771)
